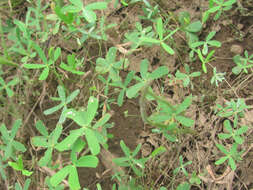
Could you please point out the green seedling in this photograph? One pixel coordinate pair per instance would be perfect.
(186, 77)
(72, 65)
(109, 65)
(168, 114)
(87, 11)
(195, 179)
(205, 60)
(9, 143)
(234, 133)
(149, 11)
(181, 167)
(129, 160)
(84, 119)
(232, 155)
(207, 43)
(217, 77)
(26, 185)
(243, 63)
(18, 166)
(53, 56)
(48, 141)
(64, 101)
(233, 109)
(21, 36)
(136, 36)
(161, 41)
(7, 87)
(218, 7)
(123, 86)
(166, 131)
(190, 28)
(88, 161)
(103, 27)
(146, 78)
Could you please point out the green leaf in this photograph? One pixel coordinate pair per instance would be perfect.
(184, 186)
(167, 48)
(194, 27)
(102, 121)
(17, 124)
(92, 141)
(27, 173)
(39, 141)
(73, 179)
(44, 74)
(41, 128)
(40, 53)
(144, 68)
(159, 28)
(57, 53)
(210, 35)
(125, 149)
(133, 90)
(150, 40)
(184, 105)
(184, 121)
(89, 161)
(57, 178)
(222, 149)
(159, 72)
(72, 96)
(90, 16)
(69, 140)
(158, 151)
(46, 158)
(232, 164)
(96, 6)
(15, 166)
(242, 130)
(77, 3)
(224, 136)
(18, 146)
(53, 109)
(91, 109)
(221, 160)
(34, 66)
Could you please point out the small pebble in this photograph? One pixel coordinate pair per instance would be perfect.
(236, 49)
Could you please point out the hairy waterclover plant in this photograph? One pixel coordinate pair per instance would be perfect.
(7, 87)
(145, 78)
(243, 63)
(47, 63)
(84, 119)
(9, 143)
(64, 101)
(47, 141)
(218, 6)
